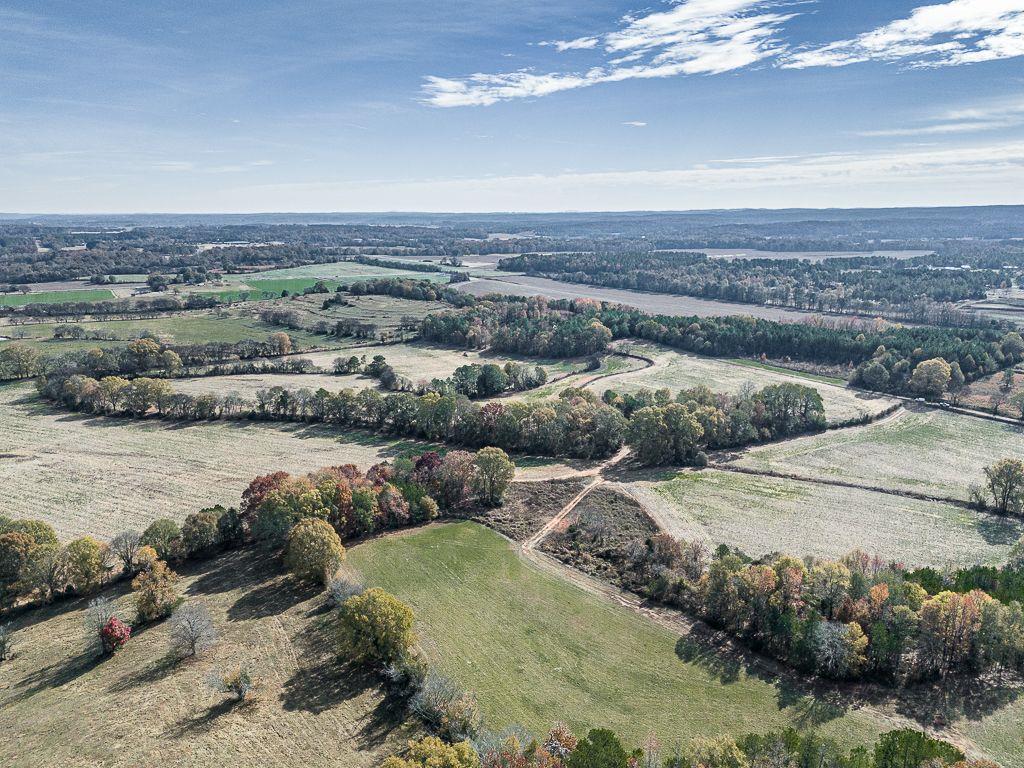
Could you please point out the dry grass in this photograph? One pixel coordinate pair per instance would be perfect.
(676, 370)
(247, 384)
(100, 475)
(766, 514)
(922, 449)
(60, 707)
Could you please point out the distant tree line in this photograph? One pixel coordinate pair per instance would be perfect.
(402, 288)
(137, 306)
(874, 285)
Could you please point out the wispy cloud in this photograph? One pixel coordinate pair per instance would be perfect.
(692, 37)
(990, 116)
(635, 123)
(944, 34)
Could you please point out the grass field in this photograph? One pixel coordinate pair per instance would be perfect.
(924, 450)
(676, 370)
(191, 328)
(766, 514)
(342, 272)
(59, 707)
(247, 384)
(54, 297)
(537, 649)
(99, 475)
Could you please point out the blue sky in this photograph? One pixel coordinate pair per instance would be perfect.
(485, 106)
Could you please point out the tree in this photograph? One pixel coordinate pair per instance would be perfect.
(720, 752)
(907, 747)
(155, 592)
(238, 681)
(931, 377)
(45, 571)
(1006, 484)
(314, 550)
(494, 471)
(600, 748)
(164, 536)
(875, 376)
(14, 553)
(200, 533)
(125, 547)
(85, 564)
(192, 630)
(103, 627)
(375, 627)
(431, 752)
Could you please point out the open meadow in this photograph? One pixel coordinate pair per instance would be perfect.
(58, 701)
(537, 649)
(55, 297)
(677, 370)
(924, 450)
(761, 515)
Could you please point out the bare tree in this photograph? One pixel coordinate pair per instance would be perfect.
(125, 546)
(192, 630)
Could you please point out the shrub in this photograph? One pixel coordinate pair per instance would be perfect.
(164, 536)
(428, 509)
(192, 630)
(405, 677)
(239, 682)
(200, 533)
(375, 627)
(600, 748)
(446, 708)
(114, 634)
(6, 638)
(341, 589)
(314, 550)
(155, 593)
(85, 564)
(431, 752)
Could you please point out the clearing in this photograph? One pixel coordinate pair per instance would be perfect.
(58, 704)
(762, 514)
(537, 649)
(678, 370)
(924, 450)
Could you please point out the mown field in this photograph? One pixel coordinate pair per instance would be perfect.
(537, 649)
(94, 475)
(60, 707)
(187, 328)
(924, 450)
(677, 370)
(766, 514)
(248, 384)
(54, 297)
(342, 272)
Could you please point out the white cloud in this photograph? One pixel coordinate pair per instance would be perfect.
(693, 37)
(990, 116)
(635, 123)
(945, 34)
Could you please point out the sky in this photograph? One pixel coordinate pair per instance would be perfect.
(452, 105)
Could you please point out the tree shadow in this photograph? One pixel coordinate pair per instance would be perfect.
(998, 530)
(204, 722)
(56, 675)
(271, 599)
(724, 667)
(148, 675)
(230, 571)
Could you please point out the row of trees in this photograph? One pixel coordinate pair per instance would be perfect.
(149, 305)
(515, 747)
(404, 288)
(575, 424)
(874, 285)
(847, 619)
(667, 430)
(472, 381)
(536, 326)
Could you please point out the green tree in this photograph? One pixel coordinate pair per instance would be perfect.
(164, 536)
(85, 558)
(314, 550)
(494, 471)
(431, 752)
(931, 377)
(907, 747)
(155, 592)
(200, 533)
(375, 627)
(600, 748)
(1006, 484)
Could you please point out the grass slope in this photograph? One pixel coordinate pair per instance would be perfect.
(766, 514)
(924, 450)
(54, 297)
(59, 707)
(537, 649)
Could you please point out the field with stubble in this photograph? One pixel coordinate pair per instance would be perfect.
(60, 706)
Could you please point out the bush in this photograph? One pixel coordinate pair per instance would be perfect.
(431, 752)
(406, 676)
(375, 627)
(164, 536)
(192, 630)
(114, 634)
(106, 632)
(428, 509)
(155, 593)
(314, 550)
(446, 708)
(200, 533)
(239, 682)
(341, 589)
